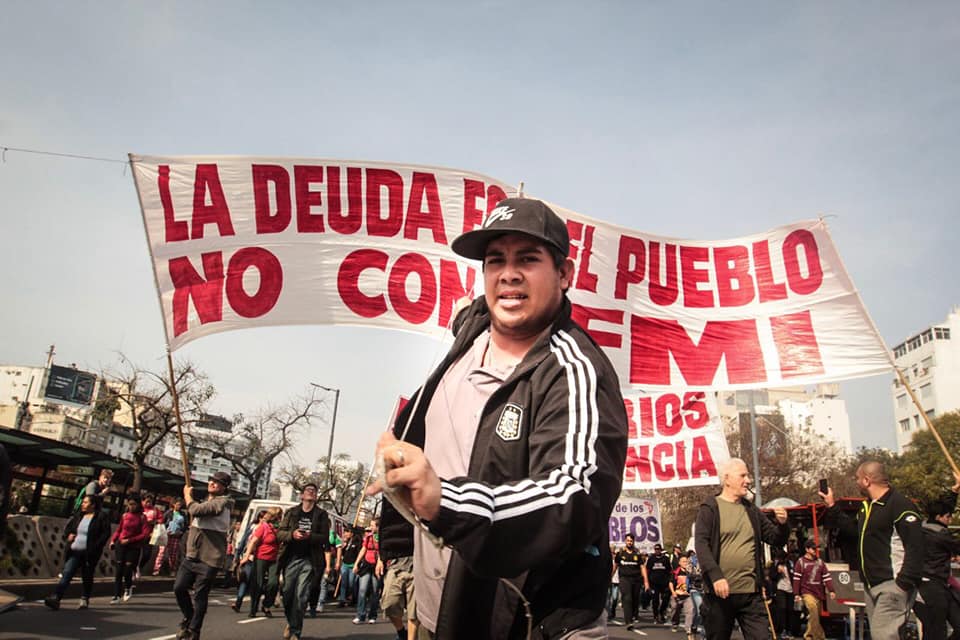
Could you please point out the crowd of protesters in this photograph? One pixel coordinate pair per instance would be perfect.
(701, 594)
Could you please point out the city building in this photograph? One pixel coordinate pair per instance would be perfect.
(818, 409)
(54, 402)
(930, 363)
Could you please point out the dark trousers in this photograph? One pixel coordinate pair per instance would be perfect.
(198, 576)
(127, 557)
(263, 582)
(86, 564)
(630, 588)
(783, 613)
(746, 609)
(661, 600)
(938, 607)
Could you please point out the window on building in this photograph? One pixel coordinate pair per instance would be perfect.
(941, 333)
(930, 414)
(926, 391)
(916, 421)
(927, 363)
(946, 334)
(927, 336)
(905, 425)
(914, 343)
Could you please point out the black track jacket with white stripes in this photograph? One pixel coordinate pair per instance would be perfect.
(545, 471)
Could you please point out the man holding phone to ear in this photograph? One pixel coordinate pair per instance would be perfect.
(890, 548)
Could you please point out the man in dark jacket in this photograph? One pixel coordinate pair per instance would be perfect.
(515, 449)
(659, 575)
(303, 535)
(630, 564)
(729, 536)
(936, 605)
(889, 538)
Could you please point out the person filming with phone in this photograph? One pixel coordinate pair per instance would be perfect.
(889, 540)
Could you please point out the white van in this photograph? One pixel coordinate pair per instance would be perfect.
(256, 507)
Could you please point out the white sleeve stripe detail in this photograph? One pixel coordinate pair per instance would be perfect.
(580, 456)
(467, 508)
(546, 501)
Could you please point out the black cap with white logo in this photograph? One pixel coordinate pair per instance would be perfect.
(515, 215)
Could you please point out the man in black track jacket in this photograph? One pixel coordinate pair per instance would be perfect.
(889, 537)
(515, 449)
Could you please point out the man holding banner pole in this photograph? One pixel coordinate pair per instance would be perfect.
(729, 536)
(514, 449)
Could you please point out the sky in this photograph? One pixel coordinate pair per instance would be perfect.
(694, 120)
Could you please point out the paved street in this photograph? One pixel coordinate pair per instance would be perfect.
(155, 617)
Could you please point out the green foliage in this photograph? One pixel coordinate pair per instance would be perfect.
(922, 472)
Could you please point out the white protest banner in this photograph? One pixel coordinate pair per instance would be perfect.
(247, 242)
(673, 440)
(639, 516)
(244, 242)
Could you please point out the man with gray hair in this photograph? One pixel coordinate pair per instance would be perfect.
(730, 531)
(890, 550)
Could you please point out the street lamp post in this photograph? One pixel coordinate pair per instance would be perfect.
(333, 425)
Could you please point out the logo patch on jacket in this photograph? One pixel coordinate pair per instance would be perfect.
(508, 427)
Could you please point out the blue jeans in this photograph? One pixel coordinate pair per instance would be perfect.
(348, 580)
(297, 577)
(368, 582)
(613, 596)
(697, 597)
(77, 560)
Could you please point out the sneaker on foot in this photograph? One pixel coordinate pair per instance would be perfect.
(286, 632)
(115, 600)
(320, 608)
(267, 612)
(128, 594)
(372, 621)
(312, 613)
(357, 620)
(84, 603)
(53, 602)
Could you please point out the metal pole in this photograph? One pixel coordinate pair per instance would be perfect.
(756, 451)
(333, 426)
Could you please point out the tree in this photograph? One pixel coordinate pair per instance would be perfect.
(256, 441)
(791, 463)
(922, 473)
(148, 397)
(340, 490)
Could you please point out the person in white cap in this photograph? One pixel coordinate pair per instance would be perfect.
(515, 451)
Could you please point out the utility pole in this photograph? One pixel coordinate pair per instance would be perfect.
(333, 426)
(758, 500)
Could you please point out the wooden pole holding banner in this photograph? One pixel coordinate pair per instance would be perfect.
(176, 414)
(173, 381)
(926, 418)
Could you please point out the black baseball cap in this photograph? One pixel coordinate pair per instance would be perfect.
(222, 478)
(810, 544)
(515, 215)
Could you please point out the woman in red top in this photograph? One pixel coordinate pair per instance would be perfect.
(126, 542)
(369, 581)
(263, 550)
